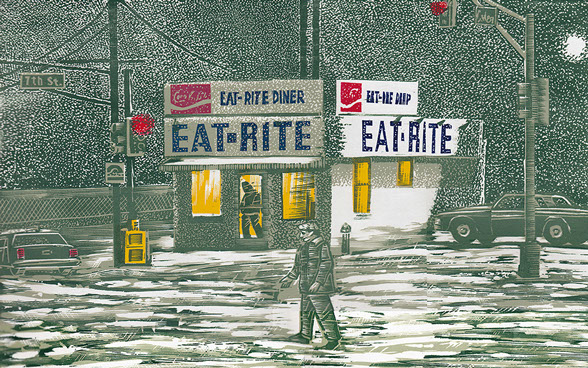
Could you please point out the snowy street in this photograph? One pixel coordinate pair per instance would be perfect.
(410, 303)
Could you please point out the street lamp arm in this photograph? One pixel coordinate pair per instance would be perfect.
(511, 40)
(507, 11)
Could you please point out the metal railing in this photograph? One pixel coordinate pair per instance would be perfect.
(78, 206)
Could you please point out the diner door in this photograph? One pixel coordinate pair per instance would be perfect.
(251, 203)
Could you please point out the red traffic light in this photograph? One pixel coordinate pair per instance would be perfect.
(142, 124)
(438, 7)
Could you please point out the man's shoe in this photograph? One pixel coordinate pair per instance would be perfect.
(299, 338)
(330, 345)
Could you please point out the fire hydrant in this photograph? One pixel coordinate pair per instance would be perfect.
(345, 235)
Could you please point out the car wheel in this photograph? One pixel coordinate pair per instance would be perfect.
(486, 239)
(464, 231)
(17, 271)
(556, 232)
(578, 240)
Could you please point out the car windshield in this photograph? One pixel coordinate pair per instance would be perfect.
(28, 239)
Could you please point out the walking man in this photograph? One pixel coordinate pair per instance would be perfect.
(313, 268)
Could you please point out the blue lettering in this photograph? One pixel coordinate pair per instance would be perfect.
(176, 138)
(201, 139)
(265, 97)
(276, 96)
(219, 135)
(413, 125)
(222, 96)
(433, 126)
(382, 141)
(299, 136)
(300, 96)
(248, 98)
(245, 136)
(266, 136)
(282, 138)
(395, 124)
(445, 138)
(365, 135)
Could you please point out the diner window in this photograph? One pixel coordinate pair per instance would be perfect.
(206, 193)
(298, 195)
(362, 188)
(404, 173)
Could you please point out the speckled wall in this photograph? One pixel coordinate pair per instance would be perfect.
(205, 231)
(221, 232)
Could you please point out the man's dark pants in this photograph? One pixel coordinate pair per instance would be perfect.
(319, 306)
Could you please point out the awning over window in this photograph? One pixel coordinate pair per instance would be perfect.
(241, 163)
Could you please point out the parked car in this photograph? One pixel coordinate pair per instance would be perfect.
(36, 250)
(557, 219)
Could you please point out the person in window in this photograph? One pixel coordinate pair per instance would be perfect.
(313, 268)
(250, 210)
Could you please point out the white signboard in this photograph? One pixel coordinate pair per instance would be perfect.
(244, 98)
(377, 98)
(367, 136)
(240, 136)
(115, 173)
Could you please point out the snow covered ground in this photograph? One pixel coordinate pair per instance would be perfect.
(409, 303)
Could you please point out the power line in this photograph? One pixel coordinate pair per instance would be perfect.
(174, 42)
(80, 97)
(67, 40)
(49, 65)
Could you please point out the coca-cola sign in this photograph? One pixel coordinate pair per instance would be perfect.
(190, 99)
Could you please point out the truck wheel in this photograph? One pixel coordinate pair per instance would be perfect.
(464, 231)
(556, 232)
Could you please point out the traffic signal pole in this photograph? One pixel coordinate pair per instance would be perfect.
(113, 73)
(130, 160)
(531, 250)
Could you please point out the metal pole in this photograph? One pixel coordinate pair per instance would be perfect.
(316, 6)
(530, 251)
(130, 160)
(303, 39)
(113, 46)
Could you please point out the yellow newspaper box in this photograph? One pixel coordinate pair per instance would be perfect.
(136, 248)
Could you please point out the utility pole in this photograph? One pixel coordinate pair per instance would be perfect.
(118, 252)
(303, 40)
(316, 7)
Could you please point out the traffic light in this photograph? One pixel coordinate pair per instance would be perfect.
(524, 100)
(447, 19)
(540, 100)
(533, 100)
(136, 143)
(118, 138)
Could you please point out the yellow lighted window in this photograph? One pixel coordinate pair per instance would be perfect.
(206, 193)
(404, 177)
(361, 186)
(298, 196)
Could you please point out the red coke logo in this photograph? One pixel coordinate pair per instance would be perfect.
(190, 99)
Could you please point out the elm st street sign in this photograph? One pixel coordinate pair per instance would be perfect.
(42, 80)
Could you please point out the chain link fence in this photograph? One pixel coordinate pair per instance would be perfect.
(79, 207)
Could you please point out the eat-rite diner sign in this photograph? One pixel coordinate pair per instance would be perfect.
(231, 119)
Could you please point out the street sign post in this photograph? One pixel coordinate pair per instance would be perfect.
(485, 16)
(42, 80)
(115, 173)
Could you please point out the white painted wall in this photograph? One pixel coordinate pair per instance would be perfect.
(394, 210)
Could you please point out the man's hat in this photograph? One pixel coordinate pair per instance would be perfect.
(308, 226)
